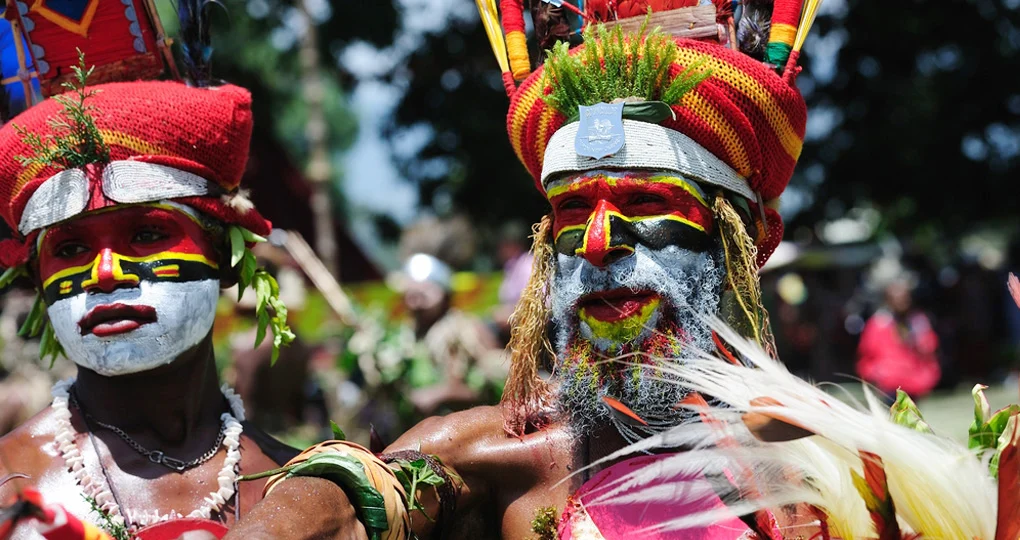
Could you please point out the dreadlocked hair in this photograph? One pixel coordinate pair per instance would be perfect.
(526, 397)
(745, 311)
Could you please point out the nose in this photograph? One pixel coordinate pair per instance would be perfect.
(107, 274)
(600, 247)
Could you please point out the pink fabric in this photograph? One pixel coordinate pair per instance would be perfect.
(515, 277)
(628, 521)
(892, 356)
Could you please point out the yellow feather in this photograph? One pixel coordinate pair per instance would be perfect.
(807, 19)
(490, 20)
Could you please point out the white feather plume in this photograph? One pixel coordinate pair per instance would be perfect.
(940, 488)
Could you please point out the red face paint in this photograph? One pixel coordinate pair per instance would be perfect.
(603, 216)
(118, 248)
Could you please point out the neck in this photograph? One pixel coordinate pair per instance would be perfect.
(166, 406)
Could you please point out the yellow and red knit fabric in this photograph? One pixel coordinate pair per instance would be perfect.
(204, 131)
(744, 113)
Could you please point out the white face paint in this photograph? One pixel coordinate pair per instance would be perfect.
(184, 316)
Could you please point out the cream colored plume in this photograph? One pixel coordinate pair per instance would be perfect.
(940, 488)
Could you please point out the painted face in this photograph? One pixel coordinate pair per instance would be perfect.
(129, 289)
(637, 266)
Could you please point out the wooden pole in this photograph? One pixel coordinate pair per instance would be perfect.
(320, 171)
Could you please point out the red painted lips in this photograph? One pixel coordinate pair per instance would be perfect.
(615, 305)
(113, 319)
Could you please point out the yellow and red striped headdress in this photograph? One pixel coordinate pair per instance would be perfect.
(741, 128)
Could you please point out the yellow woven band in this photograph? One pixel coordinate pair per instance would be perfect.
(783, 33)
(379, 475)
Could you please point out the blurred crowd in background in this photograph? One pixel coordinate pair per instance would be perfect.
(429, 338)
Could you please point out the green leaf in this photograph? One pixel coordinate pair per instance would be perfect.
(248, 266)
(251, 237)
(905, 413)
(36, 317)
(1004, 439)
(338, 433)
(348, 473)
(260, 331)
(237, 247)
(10, 275)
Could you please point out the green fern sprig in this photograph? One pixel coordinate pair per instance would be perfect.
(116, 529)
(76, 141)
(267, 290)
(614, 65)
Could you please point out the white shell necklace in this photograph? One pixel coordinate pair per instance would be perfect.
(99, 490)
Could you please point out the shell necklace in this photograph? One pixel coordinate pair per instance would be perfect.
(99, 490)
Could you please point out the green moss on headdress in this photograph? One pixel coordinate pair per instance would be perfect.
(614, 65)
(75, 141)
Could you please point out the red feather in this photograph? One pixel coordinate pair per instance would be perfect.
(625, 410)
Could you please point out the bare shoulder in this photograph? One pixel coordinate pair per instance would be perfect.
(473, 442)
(30, 450)
(278, 452)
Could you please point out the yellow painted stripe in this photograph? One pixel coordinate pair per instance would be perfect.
(727, 134)
(167, 268)
(682, 183)
(149, 258)
(753, 90)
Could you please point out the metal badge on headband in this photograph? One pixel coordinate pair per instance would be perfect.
(600, 132)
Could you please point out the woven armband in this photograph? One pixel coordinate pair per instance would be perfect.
(372, 488)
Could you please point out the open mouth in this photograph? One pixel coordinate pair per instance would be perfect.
(616, 305)
(113, 319)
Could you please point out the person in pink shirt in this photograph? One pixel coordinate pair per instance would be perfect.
(899, 347)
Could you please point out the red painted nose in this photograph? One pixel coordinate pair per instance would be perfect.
(107, 275)
(598, 246)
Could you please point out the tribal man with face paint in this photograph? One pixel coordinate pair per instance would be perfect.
(662, 159)
(129, 230)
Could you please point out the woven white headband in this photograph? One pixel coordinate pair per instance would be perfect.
(647, 146)
(66, 194)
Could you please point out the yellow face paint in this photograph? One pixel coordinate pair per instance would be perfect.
(623, 330)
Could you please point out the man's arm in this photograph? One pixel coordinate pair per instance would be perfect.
(301, 508)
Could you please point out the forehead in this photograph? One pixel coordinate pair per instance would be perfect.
(625, 179)
(115, 217)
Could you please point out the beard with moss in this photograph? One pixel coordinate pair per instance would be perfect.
(668, 292)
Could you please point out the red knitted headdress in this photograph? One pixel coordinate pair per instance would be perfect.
(747, 114)
(701, 106)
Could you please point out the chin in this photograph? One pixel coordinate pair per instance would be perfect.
(184, 317)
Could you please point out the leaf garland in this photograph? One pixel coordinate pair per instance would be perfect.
(989, 431)
(267, 290)
(413, 474)
(75, 141)
(117, 531)
(614, 66)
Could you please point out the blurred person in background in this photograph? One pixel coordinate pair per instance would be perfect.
(516, 259)
(463, 350)
(898, 347)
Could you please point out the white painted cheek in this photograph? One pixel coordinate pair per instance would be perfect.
(184, 311)
(64, 315)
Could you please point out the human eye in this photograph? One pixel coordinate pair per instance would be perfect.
(69, 250)
(148, 235)
(574, 203)
(647, 198)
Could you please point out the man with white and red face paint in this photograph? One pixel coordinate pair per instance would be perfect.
(128, 253)
(636, 268)
(662, 159)
(130, 290)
